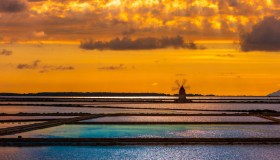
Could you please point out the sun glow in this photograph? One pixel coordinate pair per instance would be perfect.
(52, 32)
(165, 15)
(79, 6)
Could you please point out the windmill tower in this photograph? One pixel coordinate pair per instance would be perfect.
(182, 96)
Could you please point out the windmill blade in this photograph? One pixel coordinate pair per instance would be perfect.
(178, 83)
(184, 81)
(175, 89)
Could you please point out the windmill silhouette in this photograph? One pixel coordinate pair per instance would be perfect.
(181, 86)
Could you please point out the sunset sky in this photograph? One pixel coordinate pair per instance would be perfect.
(222, 47)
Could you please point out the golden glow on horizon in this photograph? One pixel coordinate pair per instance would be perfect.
(49, 32)
(221, 71)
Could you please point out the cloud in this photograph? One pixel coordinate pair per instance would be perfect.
(200, 20)
(5, 52)
(43, 68)
(265, 36)
(48, 68)
(39, 34)
(36, 0)
(129, 32)
(11, 6)
(112, 68)
(137, 44)
(33, 65)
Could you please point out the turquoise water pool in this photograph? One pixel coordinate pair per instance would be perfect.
(168, 131)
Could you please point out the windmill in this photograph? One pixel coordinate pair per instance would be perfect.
(181, 87)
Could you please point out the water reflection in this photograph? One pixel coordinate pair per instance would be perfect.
(169, 131)
(178, 119)
(197, 152)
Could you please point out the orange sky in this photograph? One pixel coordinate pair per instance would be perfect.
(69, 20)
(40, 46)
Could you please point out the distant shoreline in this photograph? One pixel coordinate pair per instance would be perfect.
(119, 94)
(77, 94)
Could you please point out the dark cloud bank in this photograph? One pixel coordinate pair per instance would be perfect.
(5, 52)
(43, 68)
(112, 68)
(12, 6)
(265, 36)
(137, 44)
(33, 65)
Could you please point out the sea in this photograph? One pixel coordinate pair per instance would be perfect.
(144, 105)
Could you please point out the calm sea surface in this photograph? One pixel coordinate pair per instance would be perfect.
(196, 152)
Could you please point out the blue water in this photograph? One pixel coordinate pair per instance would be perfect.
(196, 152)
(168, 131)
